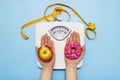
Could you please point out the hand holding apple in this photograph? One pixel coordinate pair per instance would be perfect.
(46, 53)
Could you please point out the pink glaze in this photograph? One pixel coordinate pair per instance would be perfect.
(73, 50)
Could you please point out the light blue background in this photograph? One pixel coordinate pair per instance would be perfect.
(17, 56)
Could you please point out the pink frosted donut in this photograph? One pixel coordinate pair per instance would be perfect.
(73, 50)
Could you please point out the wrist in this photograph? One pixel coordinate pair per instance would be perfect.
(71, 66)
(47, 68)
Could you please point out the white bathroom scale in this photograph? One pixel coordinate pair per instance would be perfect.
(59, 31)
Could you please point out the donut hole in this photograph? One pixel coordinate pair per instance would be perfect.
(73, 50)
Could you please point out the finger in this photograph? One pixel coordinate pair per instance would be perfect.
(37, 49)
(49, 41)
(75, 36)
(53, 49)
(78, 37)
(65, 58)
(45, 38)
(37, 52)
(52, 45)
(67, 40)
(83, 49)
(82, 53)
(42, 40)
(71, 35)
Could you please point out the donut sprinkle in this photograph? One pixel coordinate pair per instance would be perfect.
(73, 50)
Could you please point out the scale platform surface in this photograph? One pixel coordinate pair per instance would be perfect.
(59, 31)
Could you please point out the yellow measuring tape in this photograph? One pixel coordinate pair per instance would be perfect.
(57, 11)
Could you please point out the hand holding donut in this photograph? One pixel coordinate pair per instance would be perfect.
(46, 53)
(73, 50)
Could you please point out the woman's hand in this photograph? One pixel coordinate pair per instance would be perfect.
(74, 37)
(45, 40)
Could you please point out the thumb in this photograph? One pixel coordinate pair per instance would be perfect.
(82, 53)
